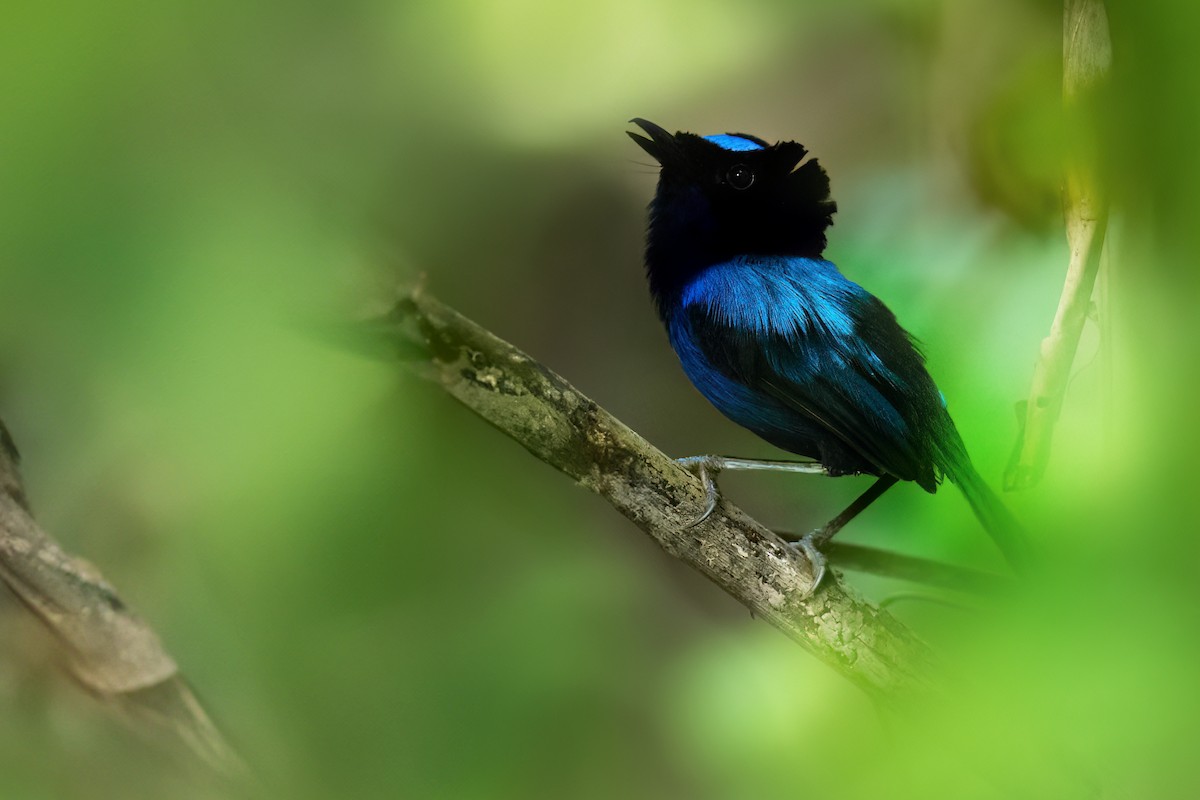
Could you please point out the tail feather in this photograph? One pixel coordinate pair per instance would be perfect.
(995, 517)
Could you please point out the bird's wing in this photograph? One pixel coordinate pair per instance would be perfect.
(868, 387)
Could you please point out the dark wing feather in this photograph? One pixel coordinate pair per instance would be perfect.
(870, 390)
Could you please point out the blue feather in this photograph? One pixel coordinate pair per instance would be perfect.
(777, 295)
(737, 144)
(744, 405)
(802, 319)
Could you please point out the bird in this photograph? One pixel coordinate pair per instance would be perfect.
(782, 343)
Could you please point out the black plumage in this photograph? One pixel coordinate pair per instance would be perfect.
(777, 338)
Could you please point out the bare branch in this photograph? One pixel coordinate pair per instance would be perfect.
(562, 427)
(110, 650)
(1087, 53)
(889, 564)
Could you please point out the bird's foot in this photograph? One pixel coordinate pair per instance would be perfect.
(808, 546)
(706, 468)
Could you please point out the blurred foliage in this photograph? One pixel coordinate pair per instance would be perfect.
(378, 596)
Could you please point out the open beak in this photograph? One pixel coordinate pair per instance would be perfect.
(660, 144)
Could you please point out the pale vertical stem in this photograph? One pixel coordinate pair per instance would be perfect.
(1105, 321)
(1087, 55)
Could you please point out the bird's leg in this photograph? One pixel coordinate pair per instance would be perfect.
(706, 469)
(810, 543)
(827, 531)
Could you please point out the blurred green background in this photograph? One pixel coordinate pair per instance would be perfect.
(378, 595)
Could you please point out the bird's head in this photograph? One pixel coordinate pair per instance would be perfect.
(729, 195)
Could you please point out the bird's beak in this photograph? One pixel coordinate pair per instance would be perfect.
(660, 144)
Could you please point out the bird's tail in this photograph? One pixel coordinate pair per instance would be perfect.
(995, 517)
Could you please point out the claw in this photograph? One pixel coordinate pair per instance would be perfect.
(706, 469)
(808, 547)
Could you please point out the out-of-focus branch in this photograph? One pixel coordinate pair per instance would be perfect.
(559, 425)
(1087, 55)
(890, 564)
(109, 649)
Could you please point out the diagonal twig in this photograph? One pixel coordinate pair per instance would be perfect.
(559, 425)
(110, 650)
(890, 564)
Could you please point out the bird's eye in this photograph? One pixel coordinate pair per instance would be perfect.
(739, 176)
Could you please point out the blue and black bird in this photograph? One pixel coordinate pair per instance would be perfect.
(781, 342)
